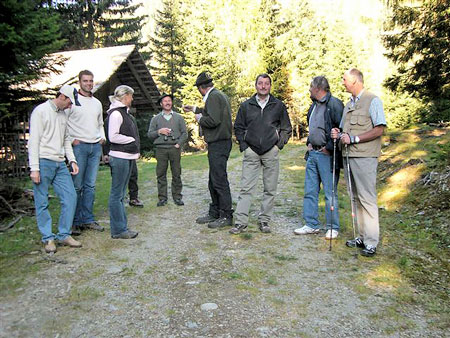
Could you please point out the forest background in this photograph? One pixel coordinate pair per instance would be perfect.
(402, 48)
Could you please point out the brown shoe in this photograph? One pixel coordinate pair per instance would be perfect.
(69, 241)
(50, 246)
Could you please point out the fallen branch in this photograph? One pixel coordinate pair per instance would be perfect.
(5, 227)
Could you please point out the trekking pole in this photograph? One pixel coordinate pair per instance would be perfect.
(349, 184)
(332, 192)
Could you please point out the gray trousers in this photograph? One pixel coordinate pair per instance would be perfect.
(164, 156)
(363, 180)
(251, 168)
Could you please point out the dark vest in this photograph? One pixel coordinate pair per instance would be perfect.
(128, 128)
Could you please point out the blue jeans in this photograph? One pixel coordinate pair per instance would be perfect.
(88, 159)
(56, 174)
(319, 170)
(120, 175)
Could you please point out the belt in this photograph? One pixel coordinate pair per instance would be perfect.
(317, 147)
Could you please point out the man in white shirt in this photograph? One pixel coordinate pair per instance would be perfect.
(85, 126)
(48, 145)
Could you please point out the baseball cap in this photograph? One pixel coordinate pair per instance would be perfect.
(71, 93)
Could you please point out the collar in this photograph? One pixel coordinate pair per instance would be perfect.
(357, 98)
(207, 94)
(54, 107)
(89, 95)
(163, 113)
(262, 101)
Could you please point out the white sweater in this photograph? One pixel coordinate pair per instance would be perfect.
(85, 122)
(49, 137)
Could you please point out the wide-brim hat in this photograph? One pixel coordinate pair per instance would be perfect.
(163, 96)
(203, 78)
(71, 93)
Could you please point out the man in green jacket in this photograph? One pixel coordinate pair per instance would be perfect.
(168, 132)
(215, 120)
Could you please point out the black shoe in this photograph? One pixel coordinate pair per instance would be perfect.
(178, 201)
(220, 222)
(136, 203)
(355, 243)
(369, 251)
(237, 229)
(161, 203)
(206, 219)
(76, 230)
(126, 235)
(93, 226)
(264, 227)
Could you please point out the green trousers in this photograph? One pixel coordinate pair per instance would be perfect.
(164, 156)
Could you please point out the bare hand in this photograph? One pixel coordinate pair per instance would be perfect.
(335, 133)
(164, 131)
(177, 146)
(102, 141)
(75, 168)
(35, 177)
(105, 159)
(345, 138)
(198, 117)
(310, 147)
(188, 108)
(75, 142)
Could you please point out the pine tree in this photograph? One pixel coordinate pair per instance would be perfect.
(168, 51)
(89, 24)
(28, 32)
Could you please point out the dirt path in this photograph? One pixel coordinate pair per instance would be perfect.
(276, 285)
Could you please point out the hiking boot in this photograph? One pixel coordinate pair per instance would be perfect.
(306, 230)
(264, 227)
(237, 229)
(355, 243)
(369, 251)
(69, 241)
(136, 203)
(220, 222)
(76, 230)
(161, 203)
(331, 234)
(126, 235)
(94, 226)
(206, 219)
(50, 246)
(178, 201)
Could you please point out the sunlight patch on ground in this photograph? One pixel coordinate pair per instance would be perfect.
(296, 167)
(385, 276)
(400, 185)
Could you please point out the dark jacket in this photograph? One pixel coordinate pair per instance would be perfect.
(216, 120)
(333, 116)
(261, 129)
(177, 136)
(128, 128)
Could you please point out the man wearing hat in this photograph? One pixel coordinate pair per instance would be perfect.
(48, 146)
(168, 132)
(215, 120)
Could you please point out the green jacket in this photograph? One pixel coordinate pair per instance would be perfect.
(216, 117)
(176, 123)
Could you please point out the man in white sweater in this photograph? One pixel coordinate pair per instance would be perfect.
(85, 126)
(48, 145)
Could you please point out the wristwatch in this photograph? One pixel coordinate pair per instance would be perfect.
(356, 139)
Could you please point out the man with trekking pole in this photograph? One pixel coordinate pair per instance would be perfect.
(362, 125)
(323, 161)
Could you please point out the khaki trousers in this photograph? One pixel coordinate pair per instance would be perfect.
(251, 168)
(363, 172)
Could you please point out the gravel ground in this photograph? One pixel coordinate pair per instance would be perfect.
(180, 279)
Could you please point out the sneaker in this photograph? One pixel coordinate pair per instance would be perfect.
(76, 230)
(50, 246)
(178, 201)
(220, 222)
(331, 234)
(136, 203)
(355, 243)
(369, 251)
(306, 230)
(94, 226)
(69, 241)
(161, 203)
(206, 219)
(237, 229)
(264, 227)
(126, 235)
